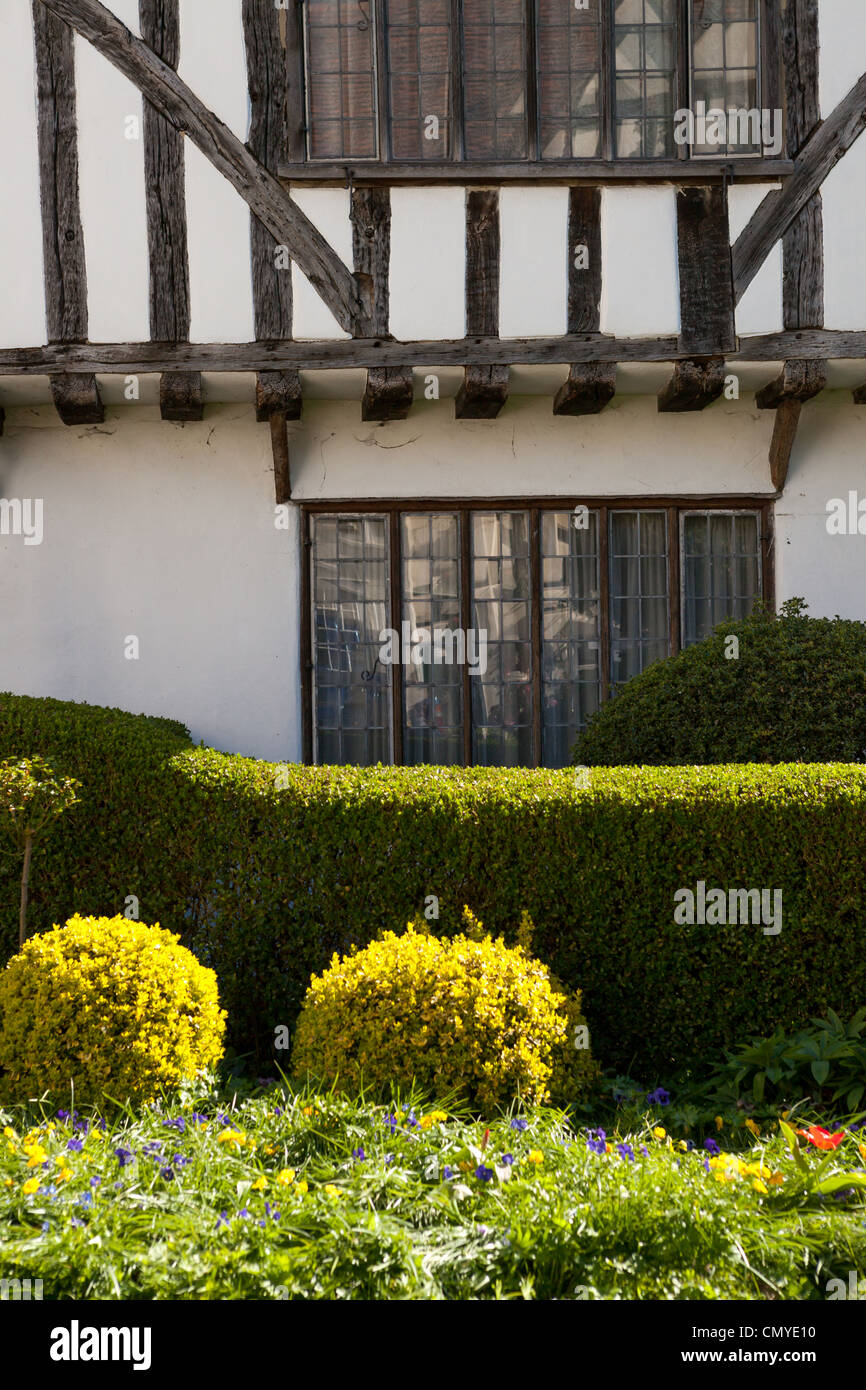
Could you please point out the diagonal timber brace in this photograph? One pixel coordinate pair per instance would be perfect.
(170, 95)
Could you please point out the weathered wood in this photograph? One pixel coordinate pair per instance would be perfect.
(588, 389)
(485, 389)
(278, 393)
(389, 390)
(330, 354)
(584, 260)
(803, 242)
(784, 434)
(64, 265)
(77, 399)
(268, 82)
(704, 257)
(693, 386)
(181, 396)
(799, 380)
(2, 420)
(593, 172)
(280, 449)
(774, 215)
(860, 395)
(260, 189)
(165, 194)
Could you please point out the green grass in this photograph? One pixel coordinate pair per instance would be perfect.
(560, 1222)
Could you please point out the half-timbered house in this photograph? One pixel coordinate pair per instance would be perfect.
(538, 319)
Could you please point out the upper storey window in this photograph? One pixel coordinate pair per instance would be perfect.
(504, 81)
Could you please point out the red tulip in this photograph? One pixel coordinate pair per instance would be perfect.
(486, 1137)
(822, 1138)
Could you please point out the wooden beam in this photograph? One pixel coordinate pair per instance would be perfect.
(704, 258)
(165, 192)
(77, 399)
(798, 381)
(774, 215)
(389, 390)
(693, 386)
(590, 386)
(803, 242)
(329, 354)
(588, 389)
(594, 172)
(784, 434)
(64, 265)
(280, 449)
(485, 389)
(259, 188)
(267, 79)
(860, 395)
(2, 420)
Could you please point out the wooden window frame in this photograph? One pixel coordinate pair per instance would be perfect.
(607, 166)
(674, 507)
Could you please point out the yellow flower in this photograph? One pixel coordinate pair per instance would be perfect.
(302, 1186)
(720, 1124)
(331, 1190)
(36, 1155)
(310, 1110)
(64, 1175)
(9, 1133)
(759, 1186)
(776, 1180)
(785, 1114)
(286, 1177)
(8, 1182)
(756, 1129)
(659, 1133)
(861, 1148)
(269, 1149)
(683, 1146)
(260, 1184)
(608, 1148)
(31, 1186)
(231, 1136)
(535, 1156)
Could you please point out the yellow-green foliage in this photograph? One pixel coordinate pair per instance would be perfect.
(113, 1006)
(467, 1013)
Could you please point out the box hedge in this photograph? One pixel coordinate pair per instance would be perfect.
(266, 871)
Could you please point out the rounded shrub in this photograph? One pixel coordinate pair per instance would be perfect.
(115, 1008)
(458, 1014)
(789, 689)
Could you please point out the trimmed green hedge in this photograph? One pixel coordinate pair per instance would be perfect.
(795, 692)
(265, 883)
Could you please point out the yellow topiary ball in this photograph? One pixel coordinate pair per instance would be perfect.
(115, 1007)
(460, 1013)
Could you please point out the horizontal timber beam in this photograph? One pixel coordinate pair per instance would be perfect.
(331, 353)
(273, 206)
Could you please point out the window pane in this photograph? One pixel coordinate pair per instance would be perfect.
(725, 39)
(502, 712)
(639, 598)
(721, 569)
(644, 48)
(569, 79)
(351, 606)
(570, 650)
(341, 79)
(419, 61)
(495, 79)
(432, 683)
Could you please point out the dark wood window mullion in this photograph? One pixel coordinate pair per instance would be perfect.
(465, 519)
(532, 79)
(458, 147)
(674, 580)
(535, 610)
(383, 104)
(684, 64)
(608, 80)
(604, 599)
(396, 619)
(307, 672)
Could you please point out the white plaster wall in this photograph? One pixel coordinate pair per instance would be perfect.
(111, 183)
(328, 209)
(165, 532)
(760, 309)
(639, 260)
(826, 463)
(428, 262)
(842, 28)
(213, 63)
(22, 300)
(533, 261)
